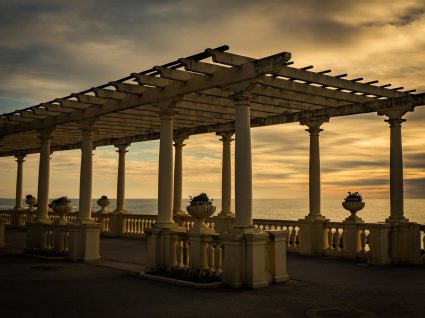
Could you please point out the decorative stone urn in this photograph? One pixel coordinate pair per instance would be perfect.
(353, 203)
(103, 202)
(62, 206)
(201, 208)
(31, 201)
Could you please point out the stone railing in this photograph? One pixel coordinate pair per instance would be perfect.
(187, 222)
(293, 228)
(48, 238)
(125, 225)
(6, 215)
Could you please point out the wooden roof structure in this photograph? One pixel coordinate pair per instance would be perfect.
(202, 85)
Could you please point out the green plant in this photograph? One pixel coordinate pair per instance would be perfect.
(353, 196)
(200, 199)
(103, 197)
(61, 200)
(29, 197)
(188, 274)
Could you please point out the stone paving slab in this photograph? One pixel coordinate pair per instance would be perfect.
(318, 287)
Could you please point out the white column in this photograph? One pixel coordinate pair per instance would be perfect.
(122, 150)
(396, 166)
(19, 180)
(226, 174)
(165, 173)
(243, 165)
(44, 176)
(86, 173)
(178, 174)
(314, 167)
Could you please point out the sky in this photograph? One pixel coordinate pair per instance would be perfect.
(49, 49)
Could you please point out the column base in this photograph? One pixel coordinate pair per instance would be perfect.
(180, 213)
(315, 218)
(165, 225)
(226, 214)
(43, 221)
(396, 220)
(223, 223)
(245, 230)
(85, 221)
(122, 211)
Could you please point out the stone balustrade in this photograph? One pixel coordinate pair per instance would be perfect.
(293, 228)
(48, 239)
(365, 241)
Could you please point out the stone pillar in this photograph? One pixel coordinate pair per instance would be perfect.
(86, 172)
(396, 165)
(122, 150)
(243, 166)
(19, 178)
(165, 173)
(314, 167)
(226, 174)
(44, 176)
(178, 175)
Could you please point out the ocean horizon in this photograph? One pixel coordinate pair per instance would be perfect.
(376, 210)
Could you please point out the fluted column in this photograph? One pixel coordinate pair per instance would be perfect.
(45, 136)
(165, 173)
(178, 174)
(396, 164)
(243, 166)
(226, 174)
(122, 150)
(86, 173)
(19, 180)
(313, 125)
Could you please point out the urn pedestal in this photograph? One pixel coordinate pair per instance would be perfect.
(200, 212)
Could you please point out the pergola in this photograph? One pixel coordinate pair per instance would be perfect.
(212, 91)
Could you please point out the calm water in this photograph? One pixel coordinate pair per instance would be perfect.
(376, 210)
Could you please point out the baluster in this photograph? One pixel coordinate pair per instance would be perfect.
(297, 237)
(290, 241)
(210, 257)
(218, 256)
(330, 239)
(294, 236)
(423, 240)
(186, 255)
(179, 252)
(340, 239)
(363, 240)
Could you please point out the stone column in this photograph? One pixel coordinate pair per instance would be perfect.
(314, 167)
(396, 164)
(178, 175)
(243, 166)
(19, 178)
(122, 150)
(86, 173)
(226, 174)
(165, 173)
(44, 176)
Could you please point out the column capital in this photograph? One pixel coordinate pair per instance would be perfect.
(241, 99)
(87, 126)
(395, 113)
(46, 133)
(314, 123)
(122, 148)
(226, 136)
(179, 139)
(20, 156)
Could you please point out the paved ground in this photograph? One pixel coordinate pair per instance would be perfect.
(318, 287)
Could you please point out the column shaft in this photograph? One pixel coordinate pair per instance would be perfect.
(44, 177)
(165, 173)
(86, 172)
(121, 179)
(243, 165)
(396, 170)
(178, 175)
(19, 181)
(226, 174)
(314, 174)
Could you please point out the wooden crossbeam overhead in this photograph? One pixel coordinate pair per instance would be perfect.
(201, 94)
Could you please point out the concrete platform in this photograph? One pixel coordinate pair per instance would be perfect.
(319, 287)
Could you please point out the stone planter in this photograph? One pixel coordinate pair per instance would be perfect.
(31, 203)
(201, 211)
(62, 209)
(103, 202)
(353, 207)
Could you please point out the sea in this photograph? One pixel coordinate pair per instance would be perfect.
(375, 210)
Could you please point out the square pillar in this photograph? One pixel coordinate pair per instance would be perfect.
(379, 243)
(276, 256)
(84, 242)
